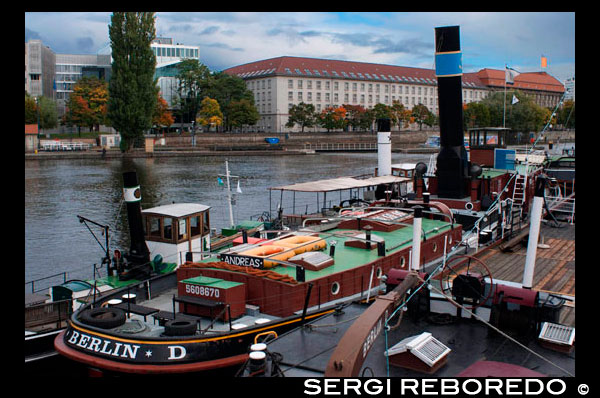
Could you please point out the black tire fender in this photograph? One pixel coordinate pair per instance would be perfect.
(180, 327)
(103, 317)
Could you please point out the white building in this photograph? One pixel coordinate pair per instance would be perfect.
(168, 55)
(279, 83)
(39, 69)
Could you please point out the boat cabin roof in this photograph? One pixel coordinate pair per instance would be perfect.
(404, 166)
(177, 209)
(341, 183)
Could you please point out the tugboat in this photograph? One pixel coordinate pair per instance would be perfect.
(162, 233)
(206, 314)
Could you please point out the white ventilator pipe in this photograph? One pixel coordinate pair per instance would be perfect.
(384, 148)
(416, 241)
(534, 232)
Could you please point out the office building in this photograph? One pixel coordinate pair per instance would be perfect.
(40, 63)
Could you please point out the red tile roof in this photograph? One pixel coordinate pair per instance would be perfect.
(31, 129)
(527, 80)
(287, 66)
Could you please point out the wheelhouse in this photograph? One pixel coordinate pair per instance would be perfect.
(172, 230)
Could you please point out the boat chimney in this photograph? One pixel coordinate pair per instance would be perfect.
(138, 252)
(416, 240)
(452, 158)
(534, 231)
(384, 147)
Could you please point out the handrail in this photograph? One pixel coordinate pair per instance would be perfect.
(64, 274)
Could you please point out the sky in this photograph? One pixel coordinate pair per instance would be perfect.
(227, 39)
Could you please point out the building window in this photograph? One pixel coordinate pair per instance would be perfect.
(309, 84)
(362, 87)
(299, 83)
(346, 98)
(299, 95)
(377, 88)
(290, 95)
(370, 87)
(327, 97)
(335, 97)
(362, 98)
(309, 96)
(346, 86)
(290, 83)
(319, 96)
(354, 86)
(318, 84)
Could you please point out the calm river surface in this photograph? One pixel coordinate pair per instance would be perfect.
(56, 191)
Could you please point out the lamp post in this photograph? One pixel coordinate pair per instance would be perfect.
(37, 107)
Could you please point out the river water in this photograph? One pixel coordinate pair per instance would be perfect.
(56, 191)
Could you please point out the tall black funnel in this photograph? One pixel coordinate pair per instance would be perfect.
(452, 165)
(138, 252)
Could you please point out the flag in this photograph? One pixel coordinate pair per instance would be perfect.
(544, 62)
(239, 190)
(510, 75)
(219, 180)
(515, 99)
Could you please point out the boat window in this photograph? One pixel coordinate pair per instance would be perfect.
(206, 225)
(195, 225)
(182, 229)
(154, 227)
(335, 288)
(168, 228)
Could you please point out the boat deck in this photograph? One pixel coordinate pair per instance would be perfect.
(306, 351)
(554, 269)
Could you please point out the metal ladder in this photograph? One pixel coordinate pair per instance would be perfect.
(518, 198)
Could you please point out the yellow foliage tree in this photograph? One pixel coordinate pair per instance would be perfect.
(209, 113)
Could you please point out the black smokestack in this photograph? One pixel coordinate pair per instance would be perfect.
(452, 159)
(138, 252)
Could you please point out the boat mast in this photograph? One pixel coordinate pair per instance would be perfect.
(229, 195)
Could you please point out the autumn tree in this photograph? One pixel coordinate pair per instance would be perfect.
(358, 117)
(132, 88)
(421, 114)
(332, 118)
(162, 116)
(87, 104)
(209, 113)
(301, 114)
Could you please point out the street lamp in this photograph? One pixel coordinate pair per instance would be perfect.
(37, 107)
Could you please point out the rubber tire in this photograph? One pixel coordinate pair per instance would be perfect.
(103, 317)
(180, 327)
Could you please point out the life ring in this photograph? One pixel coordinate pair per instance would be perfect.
(103, 317)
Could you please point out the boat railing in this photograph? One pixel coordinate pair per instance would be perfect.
(564, 205)
(46, 314)
(34, 282)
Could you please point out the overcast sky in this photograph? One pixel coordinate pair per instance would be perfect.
(488, 40)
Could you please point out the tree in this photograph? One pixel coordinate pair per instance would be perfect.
(566, 115)
(302, 114)
(358, 117)
(132, 87)
(476, 114)
(87, 104)
(194, 80)
(48, 113)
(332, 118)
(162, 116)
(242, 112)
(226, 89)
(210, 113)
(420, 114)
(30, 110)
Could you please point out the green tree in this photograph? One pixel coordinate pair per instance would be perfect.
(48, 113)
(194, 80)
(476, 114)
(226, 89)
(566, 114)
(420, 114)
(132, 88)
(30, 110)
(301, 114)
(242, 112)
(358, 117)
